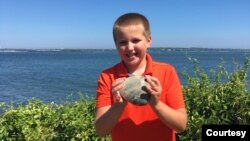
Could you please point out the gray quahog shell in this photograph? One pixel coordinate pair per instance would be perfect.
(134, 90)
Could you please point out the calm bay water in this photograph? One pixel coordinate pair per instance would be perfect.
(59, 75)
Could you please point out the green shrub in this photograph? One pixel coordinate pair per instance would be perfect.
(37, 121)
(219, 98)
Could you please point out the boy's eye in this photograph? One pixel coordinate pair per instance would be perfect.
(135, 41)
(122, 42)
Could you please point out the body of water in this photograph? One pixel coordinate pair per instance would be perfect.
(58, 75)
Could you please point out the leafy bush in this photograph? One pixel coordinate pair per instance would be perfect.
(220, 97)
(37, 121)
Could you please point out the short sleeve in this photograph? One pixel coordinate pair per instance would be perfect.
(103, 91)
(174, 97)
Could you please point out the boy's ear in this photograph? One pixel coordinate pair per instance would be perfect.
(149, 39)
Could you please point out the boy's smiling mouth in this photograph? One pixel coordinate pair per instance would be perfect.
(131, 55)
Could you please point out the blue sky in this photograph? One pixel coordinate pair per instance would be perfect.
(43, 24)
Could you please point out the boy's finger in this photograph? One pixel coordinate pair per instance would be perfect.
(118, 81)
(152, 80)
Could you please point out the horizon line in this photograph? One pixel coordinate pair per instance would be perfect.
(115, 48)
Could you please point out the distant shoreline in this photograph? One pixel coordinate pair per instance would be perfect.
(108, 49)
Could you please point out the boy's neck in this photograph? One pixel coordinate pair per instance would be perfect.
(138, 70)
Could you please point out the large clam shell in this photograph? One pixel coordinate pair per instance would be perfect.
(134, 90)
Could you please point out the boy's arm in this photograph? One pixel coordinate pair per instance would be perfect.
(173, 118)
(107, 117)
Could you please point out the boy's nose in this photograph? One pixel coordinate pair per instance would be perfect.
(130, 46)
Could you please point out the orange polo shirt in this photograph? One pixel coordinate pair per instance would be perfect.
(140, 123)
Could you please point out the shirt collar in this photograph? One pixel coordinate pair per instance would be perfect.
(149, 67)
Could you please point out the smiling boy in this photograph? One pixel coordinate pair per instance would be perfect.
(165, 112)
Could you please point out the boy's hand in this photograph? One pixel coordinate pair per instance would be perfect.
(154, 88)
(116, 88)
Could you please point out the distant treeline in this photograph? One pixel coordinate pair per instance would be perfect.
(108, 49)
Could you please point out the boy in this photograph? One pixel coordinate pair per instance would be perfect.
(165, 112)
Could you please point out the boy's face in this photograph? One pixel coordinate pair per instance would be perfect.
(132, 44)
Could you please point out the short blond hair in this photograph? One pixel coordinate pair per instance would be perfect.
(131, 19)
